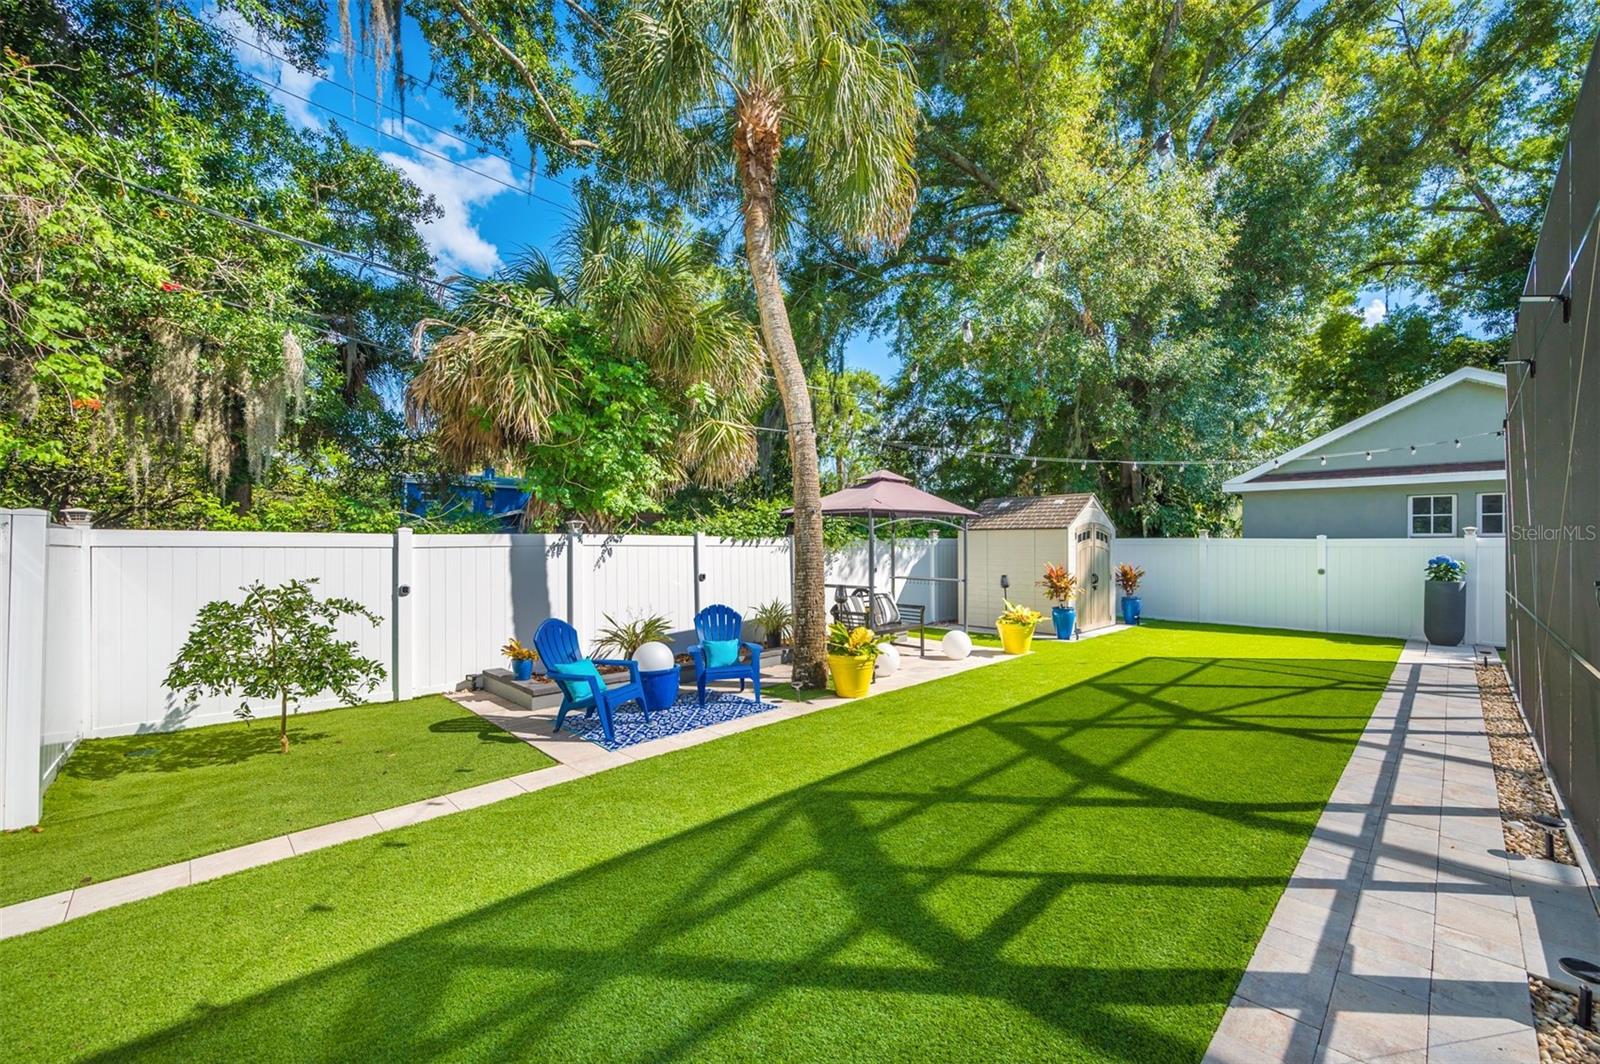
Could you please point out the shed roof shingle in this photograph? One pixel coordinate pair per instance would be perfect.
(1029, 511)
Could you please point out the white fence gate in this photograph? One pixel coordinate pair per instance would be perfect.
(1353, 586)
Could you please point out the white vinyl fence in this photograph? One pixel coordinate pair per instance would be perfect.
(90, 619)
(1353, 586)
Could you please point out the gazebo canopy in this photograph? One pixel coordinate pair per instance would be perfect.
(886, 494)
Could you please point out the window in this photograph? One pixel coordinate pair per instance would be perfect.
(1492, 514)
(1433, 515)
(1101, 536)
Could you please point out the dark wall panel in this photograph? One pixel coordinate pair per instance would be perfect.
(1553, 471)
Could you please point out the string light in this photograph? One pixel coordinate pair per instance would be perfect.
(966, 330)
(1038, 265)
(1182, 464)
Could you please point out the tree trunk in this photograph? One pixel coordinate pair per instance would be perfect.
(756, 141)
(283, 722)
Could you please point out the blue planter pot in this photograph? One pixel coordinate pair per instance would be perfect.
(522, 668)
(1065, 618)
(660, 688)
(1130, 609)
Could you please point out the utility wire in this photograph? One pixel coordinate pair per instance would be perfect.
(715, 246)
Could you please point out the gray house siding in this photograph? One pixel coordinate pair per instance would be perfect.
(1354, 513)
(1467, 409)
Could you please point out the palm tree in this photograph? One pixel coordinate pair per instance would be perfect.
(497, 374)
(699, 86)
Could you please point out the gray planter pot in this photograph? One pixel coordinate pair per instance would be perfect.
(1444, 612)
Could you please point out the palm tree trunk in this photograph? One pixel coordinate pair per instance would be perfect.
(756, 144)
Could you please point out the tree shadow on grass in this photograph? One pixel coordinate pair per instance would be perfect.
(1081, 876)
(472, 724)
(227, 744)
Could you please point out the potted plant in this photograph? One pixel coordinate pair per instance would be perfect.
(1059, 587)
(1128, 578)
(774, 619)
(1444, 601)
(1016, 626)
(522, 658)
(852, 653)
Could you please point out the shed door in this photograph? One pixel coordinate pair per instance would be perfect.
(1094, 562)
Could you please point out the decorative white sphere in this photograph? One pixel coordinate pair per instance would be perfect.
(653, 657)
(956, 645)
(888, 660)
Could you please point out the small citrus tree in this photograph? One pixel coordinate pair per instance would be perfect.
(280, 642)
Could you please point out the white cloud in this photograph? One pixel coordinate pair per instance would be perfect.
(456, 243)
(255, 61)
(1374, 312)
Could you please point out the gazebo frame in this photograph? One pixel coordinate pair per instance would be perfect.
(893, 499)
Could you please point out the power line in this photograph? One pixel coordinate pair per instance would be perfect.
(596, 161)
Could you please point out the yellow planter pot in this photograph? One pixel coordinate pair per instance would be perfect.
(851, 676)
(1015, 638)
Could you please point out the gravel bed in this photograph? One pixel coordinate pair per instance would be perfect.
(1561, 1040)
(1519, 777)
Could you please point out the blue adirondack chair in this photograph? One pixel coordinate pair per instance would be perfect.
(557, 643)
(722, 623)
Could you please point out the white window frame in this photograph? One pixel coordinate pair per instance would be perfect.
(1412, 515)
(1502, 515)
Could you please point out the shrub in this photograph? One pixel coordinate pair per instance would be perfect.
(1128, 577)
(1446, 569)
(280, 642)
(854, 642)
(517, 652)
(775, 619)
(1059, 585)
(1018, 614)
(627, 637)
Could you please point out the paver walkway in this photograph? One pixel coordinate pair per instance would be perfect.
(575, 757)
(1407, 931)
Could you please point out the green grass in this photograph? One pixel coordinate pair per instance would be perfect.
(140, 801)
(1067, 856)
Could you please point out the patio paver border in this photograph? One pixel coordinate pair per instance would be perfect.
(1407, 932)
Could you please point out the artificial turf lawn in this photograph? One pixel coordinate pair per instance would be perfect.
(141, 801)
(1066, 856)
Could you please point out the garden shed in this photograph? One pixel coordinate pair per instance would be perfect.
(1014, 537)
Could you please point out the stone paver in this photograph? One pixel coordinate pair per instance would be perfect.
(574, 758)
(1416, 929)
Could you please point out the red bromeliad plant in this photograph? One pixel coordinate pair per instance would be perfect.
(1128, 577)
(1059, 585)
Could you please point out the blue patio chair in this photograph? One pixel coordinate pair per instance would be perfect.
(579, 680)
(721, 625)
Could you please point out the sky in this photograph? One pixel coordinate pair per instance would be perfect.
(494, 206)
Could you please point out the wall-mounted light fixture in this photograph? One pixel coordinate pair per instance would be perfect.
(1564, 300)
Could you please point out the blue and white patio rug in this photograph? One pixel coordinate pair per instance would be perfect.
(684, 715)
